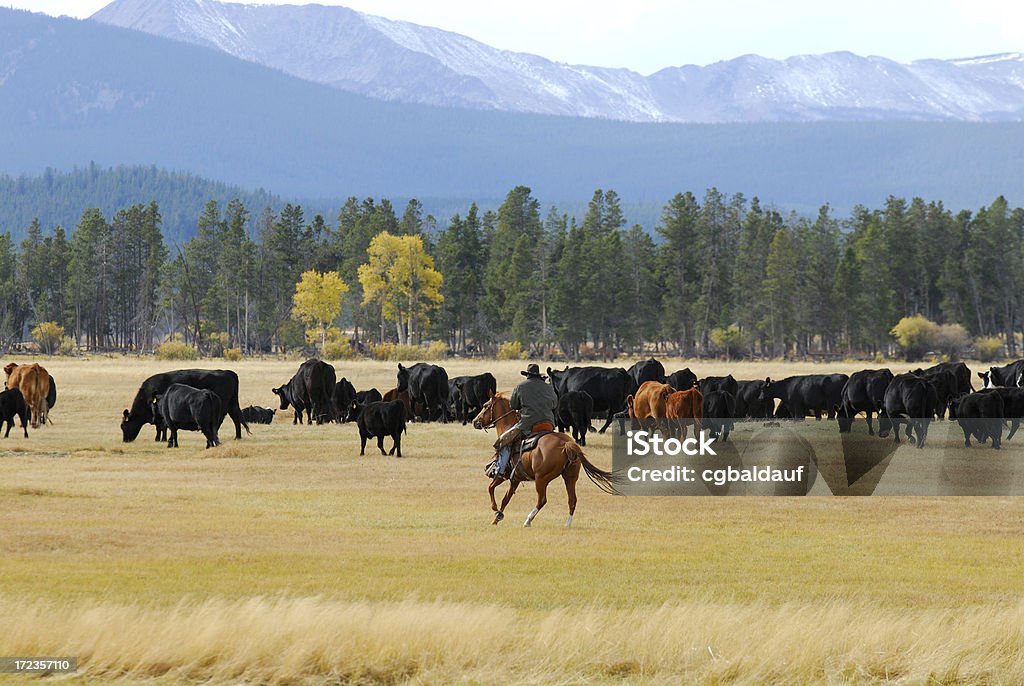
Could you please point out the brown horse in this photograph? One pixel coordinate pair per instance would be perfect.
(556, 454)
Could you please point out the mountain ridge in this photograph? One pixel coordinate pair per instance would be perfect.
(397, 60)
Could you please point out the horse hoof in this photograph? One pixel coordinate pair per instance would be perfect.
(497, 518)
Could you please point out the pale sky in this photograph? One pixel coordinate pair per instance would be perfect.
(647, 35)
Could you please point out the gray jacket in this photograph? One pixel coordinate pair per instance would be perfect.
(536, 401)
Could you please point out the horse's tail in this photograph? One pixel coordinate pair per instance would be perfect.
(602, 479)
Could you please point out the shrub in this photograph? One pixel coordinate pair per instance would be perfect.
(731, 341)
(988, 348)
(395, 352)
(436, 350)
(338, 350)
(952, 340)
(68, 346)
(176, 350)
(232, 354)
(511, 351)
(916, 335)
(48, 335)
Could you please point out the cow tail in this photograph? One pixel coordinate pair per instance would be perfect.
(604, 480)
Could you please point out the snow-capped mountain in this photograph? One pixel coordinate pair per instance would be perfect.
(396, 60)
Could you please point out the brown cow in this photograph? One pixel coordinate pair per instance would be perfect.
(648, 406)
(395, 394)
(685, 408)
(34, 383)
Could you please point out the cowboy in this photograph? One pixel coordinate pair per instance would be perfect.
(536, 401)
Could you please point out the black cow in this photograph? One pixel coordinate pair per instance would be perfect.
(310, 390)
(364, 398)
(1013, 406)
(960, 371)
(710, 384)
(607, 387)
(1008, 375)
(380, 419)
(455, 398)
(257, 415)
(12, 404)
(574, 411)
(189, 409)
(344, 398)
(719, 409)
(474, 392)
(980, 415)
(864, 392)
(683, 380)
(750, 401)
(428, 386)
(809, 394)
(223, 382)
(647, 370)
(911, 400)
(946, 386)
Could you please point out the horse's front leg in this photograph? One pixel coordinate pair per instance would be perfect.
(490, 491)
(500, 514)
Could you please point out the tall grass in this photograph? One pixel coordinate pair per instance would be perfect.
(314, 640)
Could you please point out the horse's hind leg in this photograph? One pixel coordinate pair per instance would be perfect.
(542, 498)
(571, 476)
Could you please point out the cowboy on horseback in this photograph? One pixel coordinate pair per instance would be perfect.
(536, 401)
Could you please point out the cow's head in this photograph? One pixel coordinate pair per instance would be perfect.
(129, 430)
(844, 415)
(884, 422)
(403, 377)
(283, 395)
(9, 367)
(766, 390)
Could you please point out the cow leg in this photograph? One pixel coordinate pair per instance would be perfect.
(236, 416)
(542, 499)
(380, 444)
(397, 447)
(24, 424)
(10, 425)
(871, 431)
(362, 443)
(607, 422)
(1014, 425)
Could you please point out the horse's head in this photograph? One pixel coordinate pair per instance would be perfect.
(496, 407)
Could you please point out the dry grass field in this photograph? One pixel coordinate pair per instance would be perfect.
(287, 558)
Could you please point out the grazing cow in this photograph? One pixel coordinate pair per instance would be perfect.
(574, 411)
(648, 408)
(34, 382)
(682, 409)
(395, 394)
(310, 390)
(960, 371)
(719, 409)
(364, 398)
(911, 400)
(455, 398)
(647, 370)
(682, 380)
(189, 409)
(257, 415)
(1008, 375)
(1013, 406)
(474, 392)
(864, 392)
(809, 394)
(750, 401)
(427, 385)
(979, 415)
(12, 404)
(607, 386)
(344, 398)
(946, 386)
(223, 382)
(710, 384)
(380, 419)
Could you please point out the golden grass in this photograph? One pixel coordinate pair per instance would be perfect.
(287, 558)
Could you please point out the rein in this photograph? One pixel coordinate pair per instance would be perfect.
(494, 422)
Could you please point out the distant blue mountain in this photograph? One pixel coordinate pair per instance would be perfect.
(75, 91)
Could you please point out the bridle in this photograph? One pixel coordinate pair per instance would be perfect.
(494, 422)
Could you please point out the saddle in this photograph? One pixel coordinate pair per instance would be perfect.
(530, 442)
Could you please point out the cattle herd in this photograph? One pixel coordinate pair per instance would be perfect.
(199, 400)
